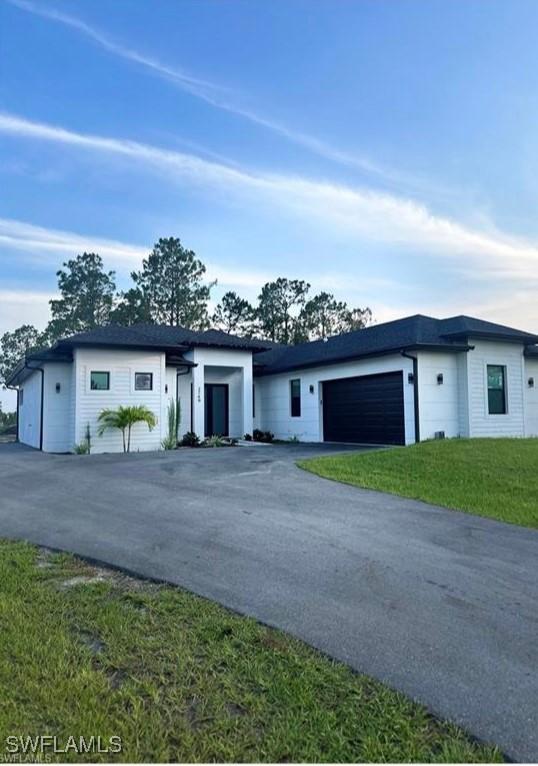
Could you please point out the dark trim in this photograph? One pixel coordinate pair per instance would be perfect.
(495, 336)
(66, 344)
(274, 370)
(415, 393)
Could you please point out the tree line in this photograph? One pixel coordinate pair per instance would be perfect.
(171, 289)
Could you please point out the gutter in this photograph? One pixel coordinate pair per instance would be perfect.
(415, 392)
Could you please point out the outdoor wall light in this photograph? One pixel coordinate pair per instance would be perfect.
(531, 382)
(440, 379)
(410, 377)
(58, 387)
(311, 388)
(166, 388)
(199, 396)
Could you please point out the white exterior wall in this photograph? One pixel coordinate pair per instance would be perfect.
(179, 386)
(273, 405)
(58, 435)
(510, 355)
(531, 398)
(30, 410)
(122, 365)
(463, 394)
(240, 386)
(439, 404)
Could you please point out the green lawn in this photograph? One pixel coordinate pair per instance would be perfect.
(490, 477)
(86, 651)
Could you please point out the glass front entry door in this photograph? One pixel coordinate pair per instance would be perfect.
(216, 409)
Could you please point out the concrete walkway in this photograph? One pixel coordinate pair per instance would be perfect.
(438, 604)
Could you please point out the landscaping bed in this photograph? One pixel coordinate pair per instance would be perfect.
(87, 651)
(497, 478)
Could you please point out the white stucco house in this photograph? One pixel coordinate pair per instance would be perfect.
(394, 383)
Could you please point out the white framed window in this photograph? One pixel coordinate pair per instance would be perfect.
(99, 380)
(496, 383)
(143, 381)
(295, 397)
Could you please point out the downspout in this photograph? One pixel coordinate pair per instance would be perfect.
(415, 392)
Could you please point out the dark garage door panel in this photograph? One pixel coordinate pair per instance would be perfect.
(368, 409)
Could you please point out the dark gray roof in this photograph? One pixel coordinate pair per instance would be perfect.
(414, 332)
(418, 331)
(33, 360)
(173, 340)
(159, 336)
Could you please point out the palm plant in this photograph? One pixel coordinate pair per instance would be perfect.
(124, 418)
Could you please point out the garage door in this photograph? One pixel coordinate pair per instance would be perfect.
(367, 409)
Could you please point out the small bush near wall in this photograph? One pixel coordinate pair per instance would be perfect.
(263, 436)
(217, 441)
(190, 439)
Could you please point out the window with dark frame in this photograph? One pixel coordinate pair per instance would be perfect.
(295, 395)
(143, 381)
(99, 381)
(21, 397)
(253, 401)
(496, 389)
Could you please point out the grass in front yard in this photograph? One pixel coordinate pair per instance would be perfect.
(490, 477)
(86, 651)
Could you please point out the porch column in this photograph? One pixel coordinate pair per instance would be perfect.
(247, 400)
(198, 401)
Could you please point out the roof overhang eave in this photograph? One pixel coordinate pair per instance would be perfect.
(455, 348)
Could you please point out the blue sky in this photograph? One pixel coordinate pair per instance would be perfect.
(386, 151)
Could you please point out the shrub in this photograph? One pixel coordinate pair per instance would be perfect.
(216, 441)
(174, 419)
(263, 436)
(247, 437)
(190, 440)
(85, 446)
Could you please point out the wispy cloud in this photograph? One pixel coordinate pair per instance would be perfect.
(34, 240)
(218, 96)
(361, 213)
(175, 74)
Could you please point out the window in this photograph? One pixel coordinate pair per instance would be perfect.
(21, 397)
(496, 389)
(295, 394)
(143, 381)
(99, 381)
(253, 400)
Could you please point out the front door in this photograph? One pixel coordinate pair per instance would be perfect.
(216, 409)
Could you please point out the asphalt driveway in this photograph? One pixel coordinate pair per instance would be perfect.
(439, 604)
